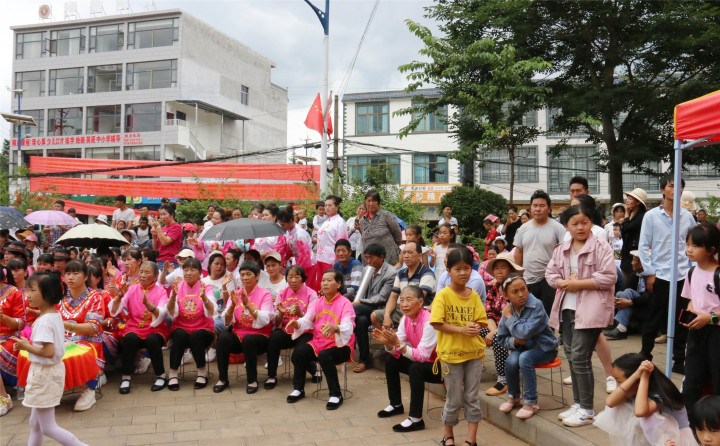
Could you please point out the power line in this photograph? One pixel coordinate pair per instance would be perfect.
(346, 79)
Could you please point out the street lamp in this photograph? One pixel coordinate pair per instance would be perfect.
(19, 119)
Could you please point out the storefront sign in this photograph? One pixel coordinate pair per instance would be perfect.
(128, 139)
(427, 193)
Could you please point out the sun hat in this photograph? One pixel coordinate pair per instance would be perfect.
(492, 218)
(618, 205)
(273, 255)
(687, 201)
(189, 227)
(508, 258)
(31, 238)
(638, 194)
(102, 218)
(185, 253)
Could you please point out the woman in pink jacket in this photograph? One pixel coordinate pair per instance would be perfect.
(583, 271)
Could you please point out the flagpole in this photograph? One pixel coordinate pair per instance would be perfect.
(325, 21)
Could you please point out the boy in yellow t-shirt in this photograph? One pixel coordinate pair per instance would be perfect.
(458, 314)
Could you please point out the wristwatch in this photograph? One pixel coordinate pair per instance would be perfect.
(713, 318)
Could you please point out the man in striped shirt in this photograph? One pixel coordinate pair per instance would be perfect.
(351, 268)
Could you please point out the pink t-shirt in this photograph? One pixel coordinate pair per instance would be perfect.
(701, 289)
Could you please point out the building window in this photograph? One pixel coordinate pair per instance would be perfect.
(244, 95)
(573, 161)
(157, 74)
(104, 78)
(34, 132)
(33, 82)
(357, 166)
(26, 154)
(107, 153)
(145, 153)
(430, 168)
(65, 121)
(153, 34)
(106, 38)
(67, 81)
(529, 119)
(30, 46)
(103, 119)
(432, 122)
(65, 153)
(698, 172)
(496, 167)
(372, 118)
(67, 42)
(632, 180)
(143, 117)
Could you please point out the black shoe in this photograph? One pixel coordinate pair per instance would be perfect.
(295, 398)
(157, 387)
(174, 386)
(415, 426)
(397, 410)
(251, 389)
(678, 368)
(201, 384)
(220, 387)
(269, 385)
(125, 390)
(615, 334)
(333, 406)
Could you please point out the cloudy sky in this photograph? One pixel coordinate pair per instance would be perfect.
(286, 31)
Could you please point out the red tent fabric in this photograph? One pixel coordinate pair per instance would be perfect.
(89, 208)
(698, 118)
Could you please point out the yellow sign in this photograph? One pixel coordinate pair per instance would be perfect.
(427, 193)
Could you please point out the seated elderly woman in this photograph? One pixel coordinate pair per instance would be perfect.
(412, 351)
(145, 326)
(332, 319)
(250, 313)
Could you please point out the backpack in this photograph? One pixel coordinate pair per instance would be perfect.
(716, 278)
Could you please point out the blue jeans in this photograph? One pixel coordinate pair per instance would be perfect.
(162, 262)
(623, 315)
(524, 362)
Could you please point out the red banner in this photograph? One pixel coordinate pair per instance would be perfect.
(286, 172)
(262, 192)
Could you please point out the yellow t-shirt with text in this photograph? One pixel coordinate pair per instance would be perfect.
(450, 308)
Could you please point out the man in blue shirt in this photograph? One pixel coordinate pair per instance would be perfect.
(655, 249)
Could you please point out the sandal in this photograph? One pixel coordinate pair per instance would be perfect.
(200, 384)
(509, 405)
(471, 444)
(174, 383)
(524, 413)
(444, 439)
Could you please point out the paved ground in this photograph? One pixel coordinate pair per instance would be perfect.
(189, 417)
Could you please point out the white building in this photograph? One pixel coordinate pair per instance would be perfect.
(158, 85)
(420, 161)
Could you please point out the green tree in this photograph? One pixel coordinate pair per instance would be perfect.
(470, 218)
(5, 174)
(490, 86)
(619, 66)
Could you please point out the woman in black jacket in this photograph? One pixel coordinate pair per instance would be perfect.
(630, 230)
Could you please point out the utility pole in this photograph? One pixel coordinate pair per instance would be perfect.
(336, 152)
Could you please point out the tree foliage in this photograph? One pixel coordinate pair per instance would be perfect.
(618, 66)
(471, 205)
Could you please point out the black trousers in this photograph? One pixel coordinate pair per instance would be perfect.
(543, 291)
(198, 341)
(304, 356)
(132, 343)
(418, 372)
(657, 315)
(362, 323)
(251, 346)
(280, 340)
(702, 362)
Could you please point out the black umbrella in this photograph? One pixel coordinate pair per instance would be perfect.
(12, 219)
(242, 228)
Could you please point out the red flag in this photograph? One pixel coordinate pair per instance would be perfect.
(314, 120)
(329, 119)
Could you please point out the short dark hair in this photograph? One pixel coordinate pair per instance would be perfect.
(299, 270)
(706, 236)
(255, 254)
(46, 258)
(541, 194)
(418, 248)
(143, 219)
(459, 255)
(577, 179)
(193, 263)
(319, 204)
(60, 202)
(71, 211)
(76, 266)
(337, 200)
(512, 208)
(250, 266)
(169, 208)
(374, 195)
(416, 290)
(343, 242)
(150, 253)
(668, 178)
(706, 415)
(121, 198)
(375, 249)
(215, 256)
(51, 286)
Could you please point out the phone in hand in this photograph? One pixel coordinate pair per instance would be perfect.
(686, 316)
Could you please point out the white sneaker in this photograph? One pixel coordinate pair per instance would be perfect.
(142, 365)
(211, 355)
(569, 412)
(86, 400)
(279, 363)
(568, 381)
(610, 384)
(187, 357)
(581, 417)
(5, 405)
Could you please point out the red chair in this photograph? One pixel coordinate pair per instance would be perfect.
(555, 363)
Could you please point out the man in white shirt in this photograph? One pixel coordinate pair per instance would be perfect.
(144, 212)
(122, 212)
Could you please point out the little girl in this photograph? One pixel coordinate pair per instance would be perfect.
(646, 407)
(437, 254)
(46, 377)
(524, 331)
(458, 314)
(701, 360)
(583, 271)
(705, 420)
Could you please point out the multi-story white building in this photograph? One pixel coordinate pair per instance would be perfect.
(158, 85)
(421, 164)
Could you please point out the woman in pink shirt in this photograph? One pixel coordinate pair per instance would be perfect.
(192, 306)
(145, 326)
(332, 321)
(249, 313)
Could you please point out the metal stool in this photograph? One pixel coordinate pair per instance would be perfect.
(555, 363)
(346, 393)
(429, 409)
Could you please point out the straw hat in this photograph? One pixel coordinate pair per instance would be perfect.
(687, 201)
(508, 258)
(638, 194)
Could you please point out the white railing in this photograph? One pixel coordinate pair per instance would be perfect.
(197, 147)
(181, 122)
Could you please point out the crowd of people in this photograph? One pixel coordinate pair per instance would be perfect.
(326, 288)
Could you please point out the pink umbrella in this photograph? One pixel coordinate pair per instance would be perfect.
(50, 218)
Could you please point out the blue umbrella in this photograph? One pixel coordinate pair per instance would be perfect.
(12, 220)
(13, 210)
(402, 224)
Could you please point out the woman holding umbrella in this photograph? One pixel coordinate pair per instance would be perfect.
(296, 243)
(266, 244)
(330, 232)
